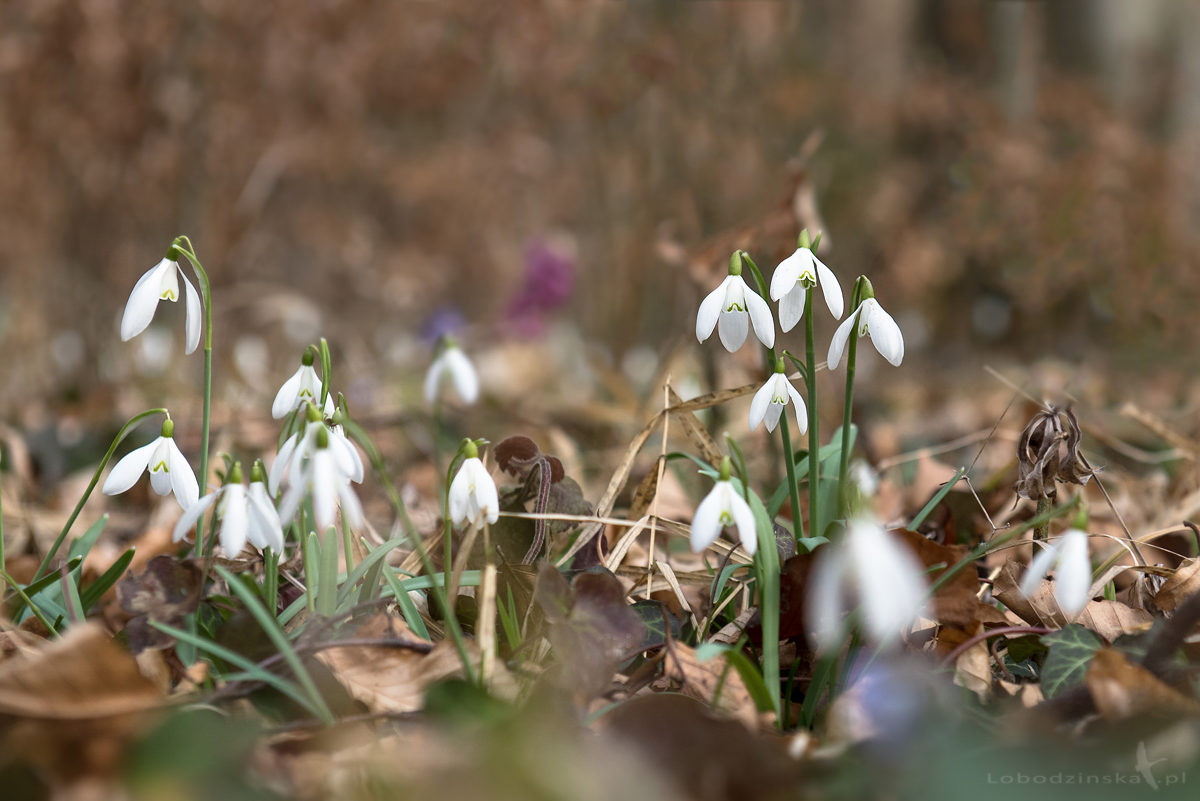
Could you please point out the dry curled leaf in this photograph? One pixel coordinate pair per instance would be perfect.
(1048, 452)
(1179, 586)
(715, 682)
(1123, 690)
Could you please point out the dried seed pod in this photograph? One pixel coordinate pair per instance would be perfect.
(1048, 452)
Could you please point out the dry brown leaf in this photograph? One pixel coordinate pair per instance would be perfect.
(1029, 694)
(973, 668)
(1179, 586)
(703, 680)
(956, 601)
(80, 676)
(1112, 619)
(386, 678)
(1122, 690)
(696, 433)
(1039, 610)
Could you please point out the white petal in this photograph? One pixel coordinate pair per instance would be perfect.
(192, 514)
(280, 466)
(1038, 568)
(485, 492)
(324, 483)
(264, 520)
(433, 377)
(706, 522)
(886, 335)
(183, 480)
(462, 372)
(233, 520)
(457, 497)
(143, 301)
(791, 307)
(291, 500)
(126, 472)
(732, 328)
(349, 462)
(801, 409)
(744, 518)
(824, 609)
(760, 316)
(762, 399)
(193, 317)
(786, 275)
(772, 417)
(288, 396)
(1073, 578)
(160, 467)
(890, 581)
(710, 309)
(831, 288)
(838, 344)
(352, 511)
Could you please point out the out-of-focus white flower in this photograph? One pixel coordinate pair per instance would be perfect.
(304, 386)
(1073, 573)
(299, 446)
(161, 282)
(169, 471)
(322, 475)
(870, 566)
(472, 496)
(874, 322)
(770, 399)
(731, 308)
(791, 281)
(453, 362)
(245, 516)
(722, 507)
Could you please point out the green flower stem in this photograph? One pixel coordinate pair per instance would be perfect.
(814, 437)
(206, 420)
(49, 557)
(793, 489)
(766, 565)
(844, 462)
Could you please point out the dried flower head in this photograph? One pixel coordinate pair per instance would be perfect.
(1049, 452)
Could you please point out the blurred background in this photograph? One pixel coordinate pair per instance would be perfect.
(561, 181)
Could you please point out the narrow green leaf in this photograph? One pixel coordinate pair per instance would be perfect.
(95, 591)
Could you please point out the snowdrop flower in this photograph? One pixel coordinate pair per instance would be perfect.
(323, 477)
(245, 516)
(770, 399)
(473, 495)
(296, 451)
(797, 274)
(874, 322)
(731, 308)
(303, 387)
(462, 373)
(161, 282)
(169, 470)
(723, 506)
(884, 577)
(1073, 577)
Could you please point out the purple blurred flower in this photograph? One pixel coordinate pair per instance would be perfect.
(549, 281)
(444, 321)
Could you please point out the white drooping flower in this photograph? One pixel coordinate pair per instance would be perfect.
(453, 362)
(731, 308)
(323, 476)
(794, 277)
(245, 516)
(1073, 571)
(770, 399)
(161, 282)
(304, 386)
(883, 577)
(298, 448)
(169, 471)
(723, 506)
(473, 496)
(872, 321)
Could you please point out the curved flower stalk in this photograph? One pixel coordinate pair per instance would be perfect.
(323, 476)
(161, 282)
(304, 386)
(472, 497)
(452, 362)
(794, 277)
(298, 449)
(874, 322)
(723, 506)
(732, 308)
(768, 403)
(869, 565)
(1073, 571)
(245, 516)
(169, 471)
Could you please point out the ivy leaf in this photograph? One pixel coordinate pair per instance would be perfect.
(1071, 649)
